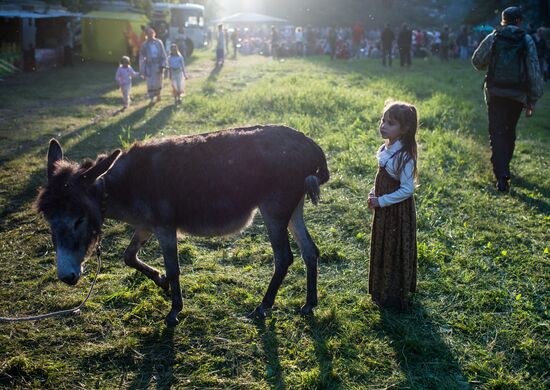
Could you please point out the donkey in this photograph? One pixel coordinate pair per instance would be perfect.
(204, 185)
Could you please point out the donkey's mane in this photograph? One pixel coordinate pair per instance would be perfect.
(60, 187)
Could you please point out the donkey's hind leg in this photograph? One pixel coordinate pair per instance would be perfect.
(130, 258)
(278, 235)
(309, 252)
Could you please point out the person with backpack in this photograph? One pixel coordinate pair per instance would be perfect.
(513, 82)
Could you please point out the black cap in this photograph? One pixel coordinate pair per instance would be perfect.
(510, 14)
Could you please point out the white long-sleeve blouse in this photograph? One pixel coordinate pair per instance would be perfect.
(405, 177)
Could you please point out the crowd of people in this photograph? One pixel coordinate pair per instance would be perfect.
(388, 43)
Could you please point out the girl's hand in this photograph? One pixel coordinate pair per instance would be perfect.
(373, 202)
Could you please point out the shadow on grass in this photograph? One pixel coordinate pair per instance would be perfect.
(157, 367)
(319, 330)
(423, 355)
(270, 345)
(542, 205)
(105, 139)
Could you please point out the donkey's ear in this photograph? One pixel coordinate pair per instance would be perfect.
(54, 154)
(89, 176)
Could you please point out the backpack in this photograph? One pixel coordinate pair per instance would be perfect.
(507, 68)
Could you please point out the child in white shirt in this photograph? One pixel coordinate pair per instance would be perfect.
(124, 75)
(177, 71)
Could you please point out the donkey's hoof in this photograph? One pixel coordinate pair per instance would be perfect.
(172, 320)
(258, 312)
(307, 310)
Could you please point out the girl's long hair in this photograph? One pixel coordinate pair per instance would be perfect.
(406, 115)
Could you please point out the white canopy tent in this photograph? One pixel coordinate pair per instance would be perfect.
(249, 18)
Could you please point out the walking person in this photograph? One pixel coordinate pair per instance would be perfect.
(387, 37)
(123, 76)
(177, 73)
(393, 252)
(220, 46)
(404, 43)
(513, 82)
(152, 62)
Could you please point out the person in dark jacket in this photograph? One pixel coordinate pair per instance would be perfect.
(505, 101)
(404, 43)
(387, 37)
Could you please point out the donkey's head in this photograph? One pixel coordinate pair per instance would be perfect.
(71, 203)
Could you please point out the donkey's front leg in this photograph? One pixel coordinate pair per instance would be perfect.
(168, 242)
(131, 259)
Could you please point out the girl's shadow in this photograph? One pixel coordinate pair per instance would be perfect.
(423, 355)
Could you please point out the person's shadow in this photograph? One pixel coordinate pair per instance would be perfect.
(422, 354)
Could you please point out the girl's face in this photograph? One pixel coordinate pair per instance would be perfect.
(390, 129)
(173, 51)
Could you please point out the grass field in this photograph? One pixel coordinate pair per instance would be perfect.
(481, 314)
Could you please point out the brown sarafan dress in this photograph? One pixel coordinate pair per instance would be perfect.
(393, 256)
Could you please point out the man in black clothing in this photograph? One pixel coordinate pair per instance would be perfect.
(513, 82)
(404, 43)
(387, 38)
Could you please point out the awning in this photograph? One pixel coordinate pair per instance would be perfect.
(36, 15)
(115, 15)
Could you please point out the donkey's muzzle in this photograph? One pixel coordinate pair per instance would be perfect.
(70, 278)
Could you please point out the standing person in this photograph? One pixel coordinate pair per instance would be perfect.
(275, 41)
(404, 42)
(542, 49)
(123, 76)
(513, 82)
(357, 36)
(152, 62)
(462, 43)
(393, 253)
(444, 46)
(220, 46)
(235, 41)
(387, 37)
(181, 41)
(299, 41)
(332, 38)
(311, 39)
(177, 73)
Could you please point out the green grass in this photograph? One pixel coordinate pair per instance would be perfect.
(480, 318)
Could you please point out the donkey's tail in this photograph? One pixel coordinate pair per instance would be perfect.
(313, 182)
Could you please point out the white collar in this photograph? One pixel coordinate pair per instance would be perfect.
(393, 147)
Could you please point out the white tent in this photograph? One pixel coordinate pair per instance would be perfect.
(250, 18)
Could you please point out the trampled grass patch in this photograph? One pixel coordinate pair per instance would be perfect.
(480, 317)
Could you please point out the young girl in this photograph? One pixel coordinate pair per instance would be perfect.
(177, 72)
(124, 75)
(393, 258)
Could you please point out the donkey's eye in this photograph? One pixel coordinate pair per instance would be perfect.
(78, 222)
